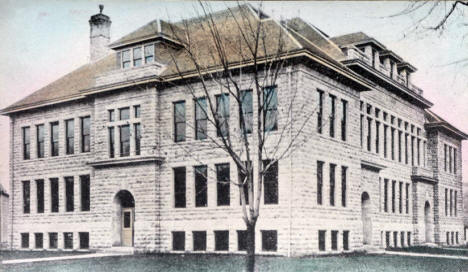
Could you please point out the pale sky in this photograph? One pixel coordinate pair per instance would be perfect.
(43, 40)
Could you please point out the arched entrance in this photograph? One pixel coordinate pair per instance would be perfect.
(122, 223)
(366, 219)
(428, 222)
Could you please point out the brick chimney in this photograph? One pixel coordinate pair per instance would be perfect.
(99, 35)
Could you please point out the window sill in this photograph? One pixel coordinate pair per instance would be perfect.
(126, 160)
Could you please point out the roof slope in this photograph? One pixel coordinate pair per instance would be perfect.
(435, 121)
(350, 38)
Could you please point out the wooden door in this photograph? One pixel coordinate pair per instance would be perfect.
(127, 227)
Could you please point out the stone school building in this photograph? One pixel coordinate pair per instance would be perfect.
(99, 157)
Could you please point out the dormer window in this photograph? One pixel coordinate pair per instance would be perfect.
(136, 56)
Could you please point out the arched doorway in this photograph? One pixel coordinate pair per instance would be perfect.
(122, 223)
(366, 219)
(428, 222)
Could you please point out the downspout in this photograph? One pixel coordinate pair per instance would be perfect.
(289, 71)
(12, 174)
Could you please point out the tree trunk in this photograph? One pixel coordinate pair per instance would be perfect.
(250, 262)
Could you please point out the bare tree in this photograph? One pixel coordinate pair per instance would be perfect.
(233, 60)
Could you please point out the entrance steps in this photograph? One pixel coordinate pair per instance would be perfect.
(119, 250)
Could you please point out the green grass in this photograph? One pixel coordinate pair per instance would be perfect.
(188, 263)
(433, 250)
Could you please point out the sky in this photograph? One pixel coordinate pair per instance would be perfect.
(44, 40)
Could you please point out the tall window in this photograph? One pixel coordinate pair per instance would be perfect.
(346, 240)
(26, 143)
(270, 104)
(455, 203)
(385, 141)
(412, 150)
(445, 157)
(201, 194)
(69, 194)
(455, 160)
(137, 111)
(361, 127)
(334, 240)
(321, 234)
(179, 121)
(85, 134)
(446, 202)
(270, 183)
(111, 115)
(319, 181)
(26, 196)
(369, 133)
(137, 57)
(377, 136)
(242, 177)
(247, 110)
(332, 115)
(54, 195)
(393, 143)
(393, 195)
(85, 193)
(344, 106)
(451, 202)
(399, 146)
(40, 141)
(111, 142)
(332, 184)
(201, 119)
(179, 187)
(385, 195)
(124, 140)
(223, 184)
(39, 240)
(400, 197)
(149, 53)
(222, 112)
(450, 159)
(406, 148)
(68, 240)
(343, 185)
(407, 198)
(137, 135)
(53, 240)
(70, 136)
(40, 195)
(54, 139)
(126, 59)
(418, 151)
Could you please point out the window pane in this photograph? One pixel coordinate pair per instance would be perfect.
(70, 130)
(40, 195)
(149, 53)
(85, 134)
(84, 240)
(26, 143)
(179, 187)
(111, 115)
(70, 195)
(54, 194)
(270, 104)
(125, 140)
(53, 240)
(269, 240)
(40, 141)
(137, 56)
(127, 217)
(85, 193)
(221, 240)
(178, 240)
(222, 110)
(179, 121)
(124, 113)
(200, 119)
(68, 240)
(223, 184)
(137, 128)
(111, 142)
(26, 196)
(136, 110)
(271, 183)
(247, 110)
(199, 240)
(126, 55)
(201, 186)
(54, 139)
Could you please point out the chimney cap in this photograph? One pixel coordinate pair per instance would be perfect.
(101, 7)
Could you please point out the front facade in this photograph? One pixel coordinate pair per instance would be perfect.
(101, 158)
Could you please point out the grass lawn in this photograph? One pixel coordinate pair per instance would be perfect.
(11, 255)
(434, 250)
(188, 263)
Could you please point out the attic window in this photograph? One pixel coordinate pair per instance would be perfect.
(137, 56)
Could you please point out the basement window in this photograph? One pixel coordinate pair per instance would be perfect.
(269, 240)
(241, 240)
(178, 240)
(199, 240)
(221, 240)
(24, 240)
(84, 240)
(53, 240)
(68, 240)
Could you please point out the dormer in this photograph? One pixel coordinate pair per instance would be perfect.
(405, 70)
(390, 61)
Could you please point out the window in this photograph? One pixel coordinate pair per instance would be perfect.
(393, 195)
(221, 240)
(387, 239)
(179, 187)
(201, 188)
(455, 204)
(137, 135)
(54, 195)
(124, 113)
(137, 57)
(178, 240)
(270, 182)
(53, 240)
(84, 240)
(246, 184)
(445, 157)
(332, 115)
(334, 240)
(137, 111)
(377, 136)
(68, 240)
(418, 151)
(201, 119)
(402, 238)
(111, 142)
(319, 181)
(111, 115)
(269, 240)
(344, 105)
(446, 202)
(393, 143)
(124, 140)
(270, 104)
(399, 145)
(343, 185)
(26, 197)
(455, 160)
(369, 134)
(69, 137)
(223, 184)
(126, 59)
(332, 184)
(38, 239)
(149, 53)
(400, 197)
(385, 195)
(54, 139)
(85, 134)
(406, 148)
(222, 112)
(395, 239)
(346, 240)
(24, 240)
(407, 198)
(321, 239)
(408, 237)
(179, 121)
(40, 141)
(412, 150)
(385, 141)
(451, 202)
(247, 111)
(361, 127)
(40, 195)
(26, 144)
(85, 193)
(450, 159)
(241, 240)
(199, 240)
(70, 194)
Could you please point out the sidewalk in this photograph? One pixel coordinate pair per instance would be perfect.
(70, 257)
(425, 255)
